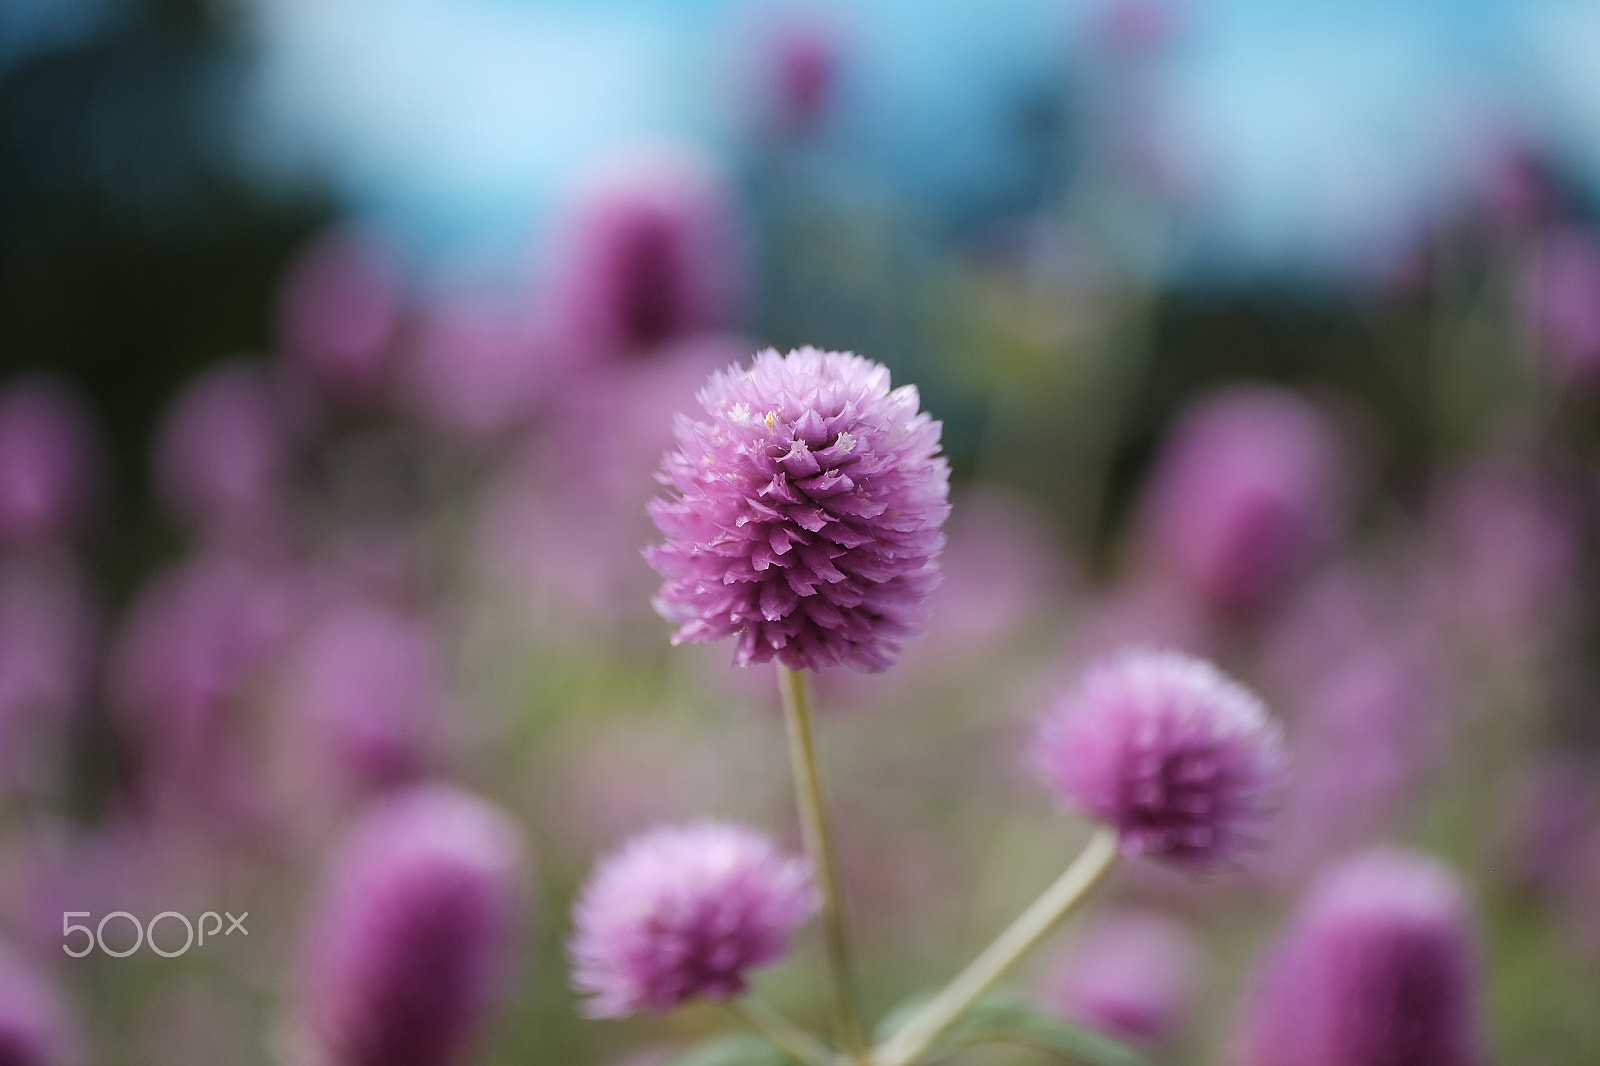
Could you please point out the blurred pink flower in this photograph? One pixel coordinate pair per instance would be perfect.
(1557, 299)
(183, 663)
(364, 696)
(652, 252)
(37, 1027)
(476, 369)
(1377, 966)
(1553, 807)
(1250, 484)
(408, 945)
(339, 315)
(224, 454)
(49, 632)
(1132, 974)
(49, 461)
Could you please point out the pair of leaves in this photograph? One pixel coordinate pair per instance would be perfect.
(997, 1018)
(1003, 1017)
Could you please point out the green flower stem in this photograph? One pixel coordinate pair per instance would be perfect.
(819, 845)
(1020, 937)
(784, 1034)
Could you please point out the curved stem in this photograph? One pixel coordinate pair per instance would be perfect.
(1020, 937)
(819, 845)
(794, 1041)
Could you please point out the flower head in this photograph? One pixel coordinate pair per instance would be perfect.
(649, 255)
(48, 461)
(685, 911)
(804, 513)
(1131, 974)
(223, 458)
(402, 958)
(1376, 968)
(1250, 485)
(1179, 759)
(36, 1027)
(339, 314)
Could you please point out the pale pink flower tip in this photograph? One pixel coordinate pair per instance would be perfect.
(803, 513)
(1182, 761)
(682, 912)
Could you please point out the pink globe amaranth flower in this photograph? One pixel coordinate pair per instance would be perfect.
(49, 637)
(182, 664)
(49, 466)
(1377, 967)
(476, 369)
(805, 513)
(366, 686)
(36, 1026)
(1557, 298)
(1132, 974)
(223, 458)
(685, 911)
(408, 945)
(651, 253)
(1179, 759)
(339, 315)
(1250, 484)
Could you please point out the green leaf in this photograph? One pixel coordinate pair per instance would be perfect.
(740, 1049)
(1002, 1017)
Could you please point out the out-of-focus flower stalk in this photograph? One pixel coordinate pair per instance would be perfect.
(819, 846)
(795, 1042)
(1024, 934)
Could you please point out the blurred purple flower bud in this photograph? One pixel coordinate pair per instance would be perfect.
(36, 1026)
(652, 253)
(476, 369)
(1553, 808)
(1557, 299)
(223, 456)
(804, 514)
(1249, 485)
(368, 685)
(801, 70)
(49, 466)
(182, 663)
(409, 943)
(1179, 759)
(1505, 555)
(1131, 974)
(1377, 967)
(685, 911)
(48, 638)
(339, 314)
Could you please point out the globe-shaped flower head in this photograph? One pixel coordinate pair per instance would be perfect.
(682, 912)
(1180, 760)
(1378, 967)
(804, 513)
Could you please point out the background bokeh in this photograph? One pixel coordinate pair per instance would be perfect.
(339, 340)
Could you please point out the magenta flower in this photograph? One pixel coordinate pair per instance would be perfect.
(804, 514)
(1249, 486)
(369, 686)
(1558, 301)
(408, 945)
(48, 461)
(48, 644)
(1131, 974)
(685, 911)
(1377, 967)
(651, 254)
(339, 315)
(36, 1027)
(223, 457)
(1179, 759)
